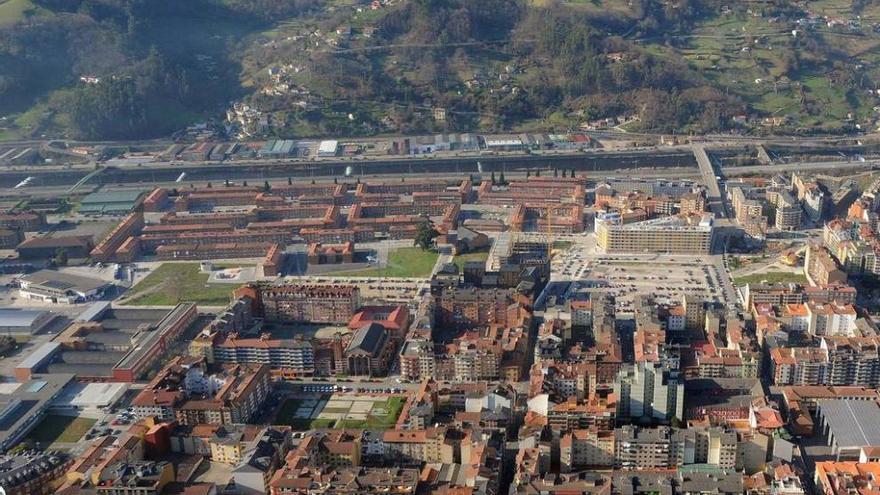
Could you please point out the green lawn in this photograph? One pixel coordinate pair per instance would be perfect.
(172, 283)
(771, 277)
(409, 262)
(461, 259)
(54, 428)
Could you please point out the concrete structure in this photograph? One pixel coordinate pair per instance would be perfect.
(53, 286)
(849, 426)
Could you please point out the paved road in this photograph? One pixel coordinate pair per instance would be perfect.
(794, 167)
(716, 201)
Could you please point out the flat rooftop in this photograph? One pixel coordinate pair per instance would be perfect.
(852, 422)
(91, 394)
(122, 328)
(56, 280)
(19, 405)
(12, 317)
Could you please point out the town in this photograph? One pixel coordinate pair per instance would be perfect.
(539, 326)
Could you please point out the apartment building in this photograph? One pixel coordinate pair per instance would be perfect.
(581, 449)
(798, 366)
(284, 357)
(837, 361)
(744, 203)
(647, 448)
(674, 235)
(821, 268)
(852, 361)
(313, 303)
(789, 213)
(831, 319)
(468, 307)
(649, 390)
(186, 392)
(129, 227)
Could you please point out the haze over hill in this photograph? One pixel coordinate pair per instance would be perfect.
(130, 69)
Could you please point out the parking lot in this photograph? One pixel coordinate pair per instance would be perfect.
(667, 277)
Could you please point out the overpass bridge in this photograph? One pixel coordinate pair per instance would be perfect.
(707, 170)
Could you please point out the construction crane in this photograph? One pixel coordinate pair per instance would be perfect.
(549, 233)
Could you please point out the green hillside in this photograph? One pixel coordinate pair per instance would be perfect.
(319, 67)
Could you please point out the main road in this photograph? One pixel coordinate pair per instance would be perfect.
(710, 179)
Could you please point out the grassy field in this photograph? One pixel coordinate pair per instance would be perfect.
(12, 11)
(377, 421)
(409, 262)
(771, 277)
(177, 282)
(54, 428)
(461, 259)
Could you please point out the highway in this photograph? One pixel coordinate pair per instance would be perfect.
(794, 167)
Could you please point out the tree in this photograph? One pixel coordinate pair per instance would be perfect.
(564, 173)
(502, 179)
(335, 180)
(573, 174)
(226, 183)
(60, 258)
(289, 181)
(244, 183)
(537, 173)
(555, 172)
(493, 178)
(425, 234)
(210, 185)
(266, 187)
(528, 173)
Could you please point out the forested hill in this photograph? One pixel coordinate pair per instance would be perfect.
(143, 68)
(125, 68)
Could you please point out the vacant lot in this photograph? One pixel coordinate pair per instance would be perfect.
(341, 411)
(172, 283)
(55, 428)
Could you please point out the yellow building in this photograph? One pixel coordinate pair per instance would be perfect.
(675, 235)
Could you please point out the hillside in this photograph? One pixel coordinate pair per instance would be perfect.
(355, 67)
